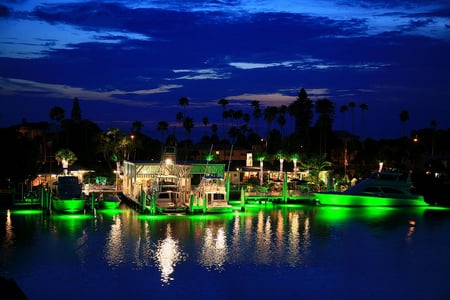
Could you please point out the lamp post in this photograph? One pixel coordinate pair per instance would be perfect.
(133, 146)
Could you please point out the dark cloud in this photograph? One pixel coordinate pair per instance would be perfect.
(4, 11)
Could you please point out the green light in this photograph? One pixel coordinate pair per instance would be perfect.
(26, 212)
(153, 217)
(110, 212)
(334, 199)
(69, 206)
(108, 205)
(347, 213)
(70, 223)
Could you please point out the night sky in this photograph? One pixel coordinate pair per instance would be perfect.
(132, 61)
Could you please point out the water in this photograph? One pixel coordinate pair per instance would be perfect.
(290, 252)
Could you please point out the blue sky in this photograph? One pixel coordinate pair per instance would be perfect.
(132, 61)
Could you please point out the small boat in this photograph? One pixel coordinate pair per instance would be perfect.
(210, 196)
(31, 199)
(168, 195)
(69, 196)
(109, 200)
(379, 189)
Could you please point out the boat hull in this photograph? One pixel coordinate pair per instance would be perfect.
(341, 199)
(68, 205)
(110, 202)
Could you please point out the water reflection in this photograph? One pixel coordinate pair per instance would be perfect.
(114, 250)
(161, 244)
(214, 249)
(167, 255)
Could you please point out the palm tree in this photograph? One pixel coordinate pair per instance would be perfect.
(205, 122)
(237, 116)
(315, 164)
(224, 103)
(188, 124)
(256, 113)
(65, 157)
(183, 101)
(57, 114)
(343, 109)
(76, 111)
(281, 119)
(404, 117)
(163, 126)
(325, 109)
(352, 106)
(302, 110)
(433, 125)
(363, 107)
(295, 158)
(180, 117)
(214, 129)
(280, 155)
(270, 114)
(136, 127)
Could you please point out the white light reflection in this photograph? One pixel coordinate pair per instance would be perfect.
(263, 240)
(235, 249)
(214, 250)
(114, 250)
(7, 243)
(81, 248)
(167, 255)
(142, 252)
(279, 240)
(293, 256)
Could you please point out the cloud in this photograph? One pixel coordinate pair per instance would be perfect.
(34, 39)
(273, 99)
(13, 86)
(200, 74)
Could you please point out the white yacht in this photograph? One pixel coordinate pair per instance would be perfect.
(379, 189)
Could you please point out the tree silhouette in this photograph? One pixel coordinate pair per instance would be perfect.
(404, 117)
(281, 119)
(256, 114)
(183, 101)
(224, 103)
(188, 124)
(343, 109)
(270, 113)
(205, 122)
(57, 114)
(363, 107)
(302, 110)
(352, 106)
(162, 127)
(136, 127)
(325, 109)
(76, 110)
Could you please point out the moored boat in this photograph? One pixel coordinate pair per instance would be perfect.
(68, 197)
(210, 196)
(168, 195)
(108, 200)
(379, 189)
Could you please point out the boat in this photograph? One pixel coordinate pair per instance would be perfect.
(434, 182)
(68, 197)
(168, 195)
(31, 199)
(379, 189)
(109, 200)
(210, 196)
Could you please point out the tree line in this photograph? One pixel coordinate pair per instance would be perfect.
(100, 150)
